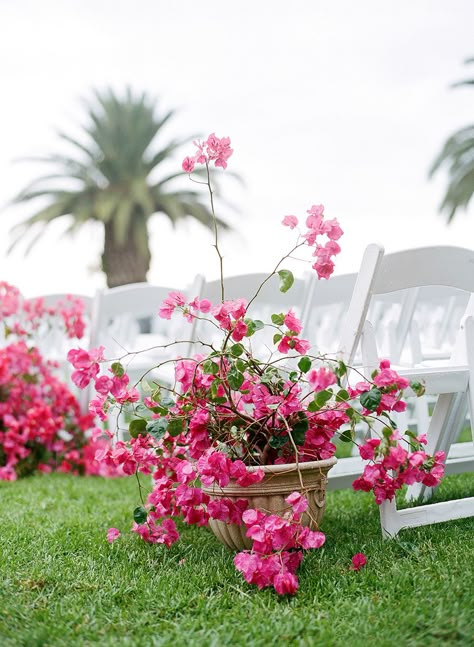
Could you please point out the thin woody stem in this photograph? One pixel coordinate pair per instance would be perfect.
(275, 269)
(296, 452)
(216, 241)
(308, 511)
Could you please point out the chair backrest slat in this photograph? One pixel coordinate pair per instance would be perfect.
(426, 266)
(428, 273)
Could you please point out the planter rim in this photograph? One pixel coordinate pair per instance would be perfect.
(288, 467)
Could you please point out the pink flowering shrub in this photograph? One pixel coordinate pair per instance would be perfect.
(230, 410)
(41, 425)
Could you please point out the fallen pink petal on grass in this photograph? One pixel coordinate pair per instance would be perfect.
(112, 535)
(359, 560)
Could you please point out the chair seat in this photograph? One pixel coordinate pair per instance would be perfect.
(449, 380)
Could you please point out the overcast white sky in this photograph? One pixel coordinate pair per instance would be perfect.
(342, 103)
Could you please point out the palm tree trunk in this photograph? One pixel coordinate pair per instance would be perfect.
(124, 263)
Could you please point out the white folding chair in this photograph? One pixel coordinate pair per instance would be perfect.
(269, 300)
(326, 309)
(443, 266)
(125, 321)
(323, 315)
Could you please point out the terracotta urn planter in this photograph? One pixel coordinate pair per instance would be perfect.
(269, 496)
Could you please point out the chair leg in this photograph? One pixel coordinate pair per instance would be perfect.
(389, 519)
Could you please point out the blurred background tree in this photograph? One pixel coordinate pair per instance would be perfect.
(458, 155)
(111, 177)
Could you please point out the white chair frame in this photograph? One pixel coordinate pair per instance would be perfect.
(411, 269)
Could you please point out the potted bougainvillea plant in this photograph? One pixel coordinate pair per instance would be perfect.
(41, 425)
(241, 442)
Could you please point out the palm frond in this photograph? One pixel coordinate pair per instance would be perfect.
(457, 155)
(112, 176)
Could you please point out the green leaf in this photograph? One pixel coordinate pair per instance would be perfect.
(341, 369)
(252, 326)
(156, 394)
(293, 376)
(342, 396)
(215, 387)
(391, 422)
(175, 426)
(157, 427)
(299, 430)
(370, 400)
(277, 337)
(118, 369)
(304, 364)
(353, 415)
(298, 434)
(322, 397)
(286, 280)
(346, 436)
(137, 427)
(210, 368)
(161, 410)
(251, 330)
(277, 442)
(219, 399)
(278, 319)
(235, 379)
(241, 365)
(418, 388)
(140, 514)
(167, 402)
(237, 350)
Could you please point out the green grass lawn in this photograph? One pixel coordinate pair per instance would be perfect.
(62, 584)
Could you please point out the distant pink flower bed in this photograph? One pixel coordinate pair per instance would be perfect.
(41, 425)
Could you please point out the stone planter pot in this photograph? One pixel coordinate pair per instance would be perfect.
(269, 496)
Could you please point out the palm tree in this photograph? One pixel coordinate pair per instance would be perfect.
(458, 154)
(109, 180)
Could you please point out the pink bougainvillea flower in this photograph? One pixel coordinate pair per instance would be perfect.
(298, 502)
(112, 535)
(285, 583)
(324, 269)
(188, 165)
(332, 229)
(316, 210)
(10, 299)
(288, 343)
(292, 322)
(389, 377)
(367, 451)
(359, 560)
(103, 384)
(214, 149)
(174, 300)
(290, 221)
(239, 331)
(238, 471)
(203, 305)
(86, 364)
(311, 538)
(319, 379)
